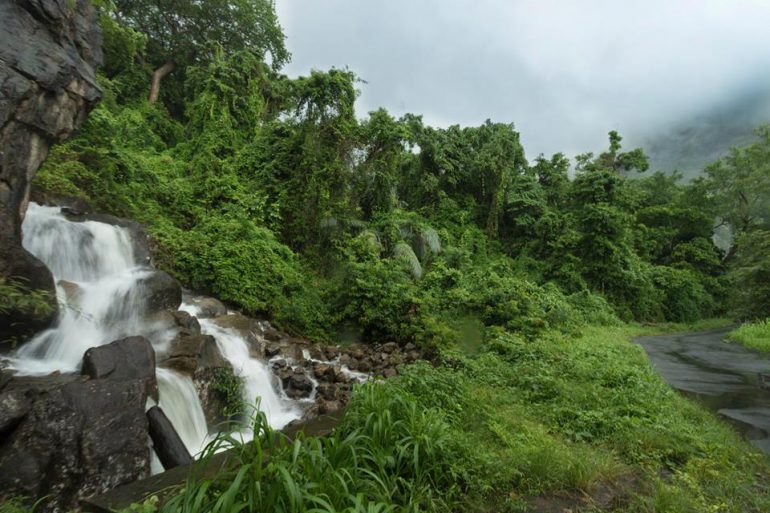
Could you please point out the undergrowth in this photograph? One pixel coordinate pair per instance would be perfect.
(583, 421)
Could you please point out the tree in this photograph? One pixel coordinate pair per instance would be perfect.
(739, 187)
(185, 32)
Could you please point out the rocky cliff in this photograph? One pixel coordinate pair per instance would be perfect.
(47, 87)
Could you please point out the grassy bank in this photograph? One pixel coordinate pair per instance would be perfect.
(754, 335)
(559, 422)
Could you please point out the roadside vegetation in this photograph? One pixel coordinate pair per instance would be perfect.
(754, 335)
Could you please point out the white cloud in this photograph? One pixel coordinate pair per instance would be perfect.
(564, 71)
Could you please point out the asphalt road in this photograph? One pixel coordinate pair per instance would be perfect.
(724, 377)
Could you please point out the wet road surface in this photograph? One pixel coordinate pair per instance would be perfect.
(722, 376)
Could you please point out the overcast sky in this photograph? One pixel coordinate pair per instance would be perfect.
(564, 71)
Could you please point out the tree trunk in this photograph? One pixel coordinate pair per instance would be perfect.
(157, 76)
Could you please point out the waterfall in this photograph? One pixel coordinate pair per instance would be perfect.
(96, 285)
(101, 300)
(178, 400)
(257, 378)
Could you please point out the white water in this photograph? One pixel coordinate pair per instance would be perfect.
(106, 303)
(178, 400)
(256, 376)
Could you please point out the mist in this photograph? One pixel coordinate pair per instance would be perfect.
(685, 79)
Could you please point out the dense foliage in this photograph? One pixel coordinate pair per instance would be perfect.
(270, 193)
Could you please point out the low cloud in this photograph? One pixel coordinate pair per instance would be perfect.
(565, 72)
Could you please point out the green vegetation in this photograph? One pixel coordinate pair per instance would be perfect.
(230, 387)
(16, 296)
(269, 193)
(582, 422)
(754, 335)
(516, 276)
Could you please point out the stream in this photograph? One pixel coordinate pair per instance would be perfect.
(722, 376)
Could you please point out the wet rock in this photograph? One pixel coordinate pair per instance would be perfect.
(272, 349)
(161, 321)
(331, 352)
(72, 292)
(184, 364)
(273, 334)
(326, 407)
(323, 371)
(209, 307)
(339, 375)
(14, 406)
(188, 323)
(166, 441)
(214, 399)
(297, 384)
(279, 364)
(47, 86)
(131, 358)
(345, 359)
(389, 373)
(77, 440)
(162, 292)
(316, 351)
(327, 391)
(390, 347)
(189, 352)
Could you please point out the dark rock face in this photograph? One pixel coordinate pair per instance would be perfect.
(75, 440)
(47, 87)
(68, 437)
(127, 359)
(162, 292)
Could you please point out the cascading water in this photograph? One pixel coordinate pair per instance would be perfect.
(95, 273)
(257, 378)
(98, 284)
(177, 393)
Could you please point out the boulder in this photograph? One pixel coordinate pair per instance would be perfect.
(297, 384)
(161, 292)
(327, 391)
(214, 399)
(390, 347)
(131, 358)
(327, 407)
(209, 307)
(72, 292)
(47, 86)
(77, 439)
(186, 322)
(189, 352)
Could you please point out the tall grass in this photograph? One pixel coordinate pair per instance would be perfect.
(389, 455)
(754, 335)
